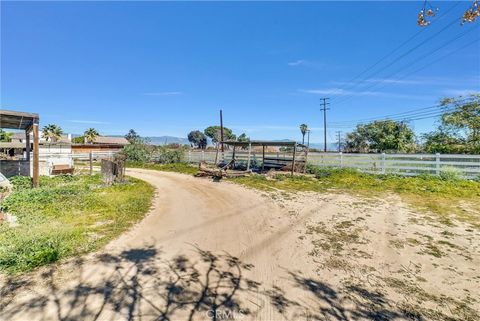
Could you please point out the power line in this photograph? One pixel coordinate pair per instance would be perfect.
(347, 97)
(399, 57)
(405, 117)
(467, 45)
(411, 113)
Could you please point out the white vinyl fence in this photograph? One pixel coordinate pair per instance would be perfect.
(401, 164)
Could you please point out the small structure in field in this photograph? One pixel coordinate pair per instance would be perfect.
(293, 160)
(24, 166)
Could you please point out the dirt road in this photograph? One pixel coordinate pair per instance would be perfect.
(217, 251)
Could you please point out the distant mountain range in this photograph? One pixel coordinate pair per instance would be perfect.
(165, 140)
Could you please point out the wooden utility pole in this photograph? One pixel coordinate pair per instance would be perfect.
(324, 109)
(221, 129)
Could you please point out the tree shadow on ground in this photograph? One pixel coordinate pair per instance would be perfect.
(139, 284)
(319, 301)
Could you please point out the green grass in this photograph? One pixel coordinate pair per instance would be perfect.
(67, 215)
(183, 168)
(442, 197)
(433, 194)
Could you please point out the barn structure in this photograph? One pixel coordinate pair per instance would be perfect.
(293, 157)
(24, 166)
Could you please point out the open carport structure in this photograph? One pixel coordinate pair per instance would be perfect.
(294, 156)
(29, 123)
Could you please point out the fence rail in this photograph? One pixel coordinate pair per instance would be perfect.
(401, 164)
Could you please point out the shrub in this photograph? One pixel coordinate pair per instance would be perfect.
(21, 182)
(137, 152)
(167, 156)
(22, 252)
(322, 172)
(450, 173)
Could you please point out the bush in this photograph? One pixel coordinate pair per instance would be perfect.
(166, 156)
(450, 173)
(59, 218)
(137, 152)
(23, 252)
(322, 172)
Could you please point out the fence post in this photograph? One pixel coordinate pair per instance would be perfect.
(341, 159)
(189, 156)
(90, 158)
(437, 163)
(203, 155)
(383, 164)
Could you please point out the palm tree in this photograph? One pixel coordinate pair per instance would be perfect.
(52, 132)
(90, 135)
(303, 130)
(5, 136)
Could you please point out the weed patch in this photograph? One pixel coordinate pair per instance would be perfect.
(445, 198)
(61, 218)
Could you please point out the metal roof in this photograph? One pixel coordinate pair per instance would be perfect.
(12, 145)
(17, 120)
(262, 143)
(110, 140)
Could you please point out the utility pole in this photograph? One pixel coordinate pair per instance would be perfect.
(339, 133)
(308, 138)
(221, 129)
(324, 109)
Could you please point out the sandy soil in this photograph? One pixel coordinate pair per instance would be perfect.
(219, 251)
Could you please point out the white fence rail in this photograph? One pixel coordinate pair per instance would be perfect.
(401, 164)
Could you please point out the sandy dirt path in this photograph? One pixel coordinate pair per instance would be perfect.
(205, 249)
(218, 251)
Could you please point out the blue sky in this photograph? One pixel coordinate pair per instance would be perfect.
(165, 68)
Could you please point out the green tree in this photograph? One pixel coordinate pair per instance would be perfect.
(381, 136)
(138, 152)
(442, 141)
(5, 136)
(465, 115)
(214, 133)
(133, 137)
(459, 129)
(198, 139)
(78, 140)
(90, 135)
(243, 138)
(303, 130)
(52, 132)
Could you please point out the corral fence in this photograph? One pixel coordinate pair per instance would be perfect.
(400, 164)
